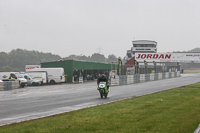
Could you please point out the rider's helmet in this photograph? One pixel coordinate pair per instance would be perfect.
(103, 76)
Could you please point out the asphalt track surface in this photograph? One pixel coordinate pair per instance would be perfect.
(37, 102)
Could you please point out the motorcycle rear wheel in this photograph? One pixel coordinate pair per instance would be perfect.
(106, 95)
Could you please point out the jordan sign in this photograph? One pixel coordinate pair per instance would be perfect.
(168, 57)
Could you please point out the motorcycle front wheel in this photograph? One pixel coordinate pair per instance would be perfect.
(101, 94)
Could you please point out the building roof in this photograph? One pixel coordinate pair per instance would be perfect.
(144, 41)
(130, 62)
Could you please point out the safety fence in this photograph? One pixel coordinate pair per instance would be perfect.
(9, 85)
(138, 78)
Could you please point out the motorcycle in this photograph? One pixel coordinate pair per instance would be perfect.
(103, 89)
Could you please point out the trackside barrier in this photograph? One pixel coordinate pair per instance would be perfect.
(147, 77)
(160, 76)
(122, 80)
(142, 77)
(139, 78)
(115, 80)
(9, 85)
(172, 75)
(136, 78)
(1, 86)
(166, 75)
(152, 77)
(178, 74)
(163, 75)
(130, 79)
(156, 76)
(175, 74)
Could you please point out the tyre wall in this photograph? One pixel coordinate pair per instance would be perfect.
(9, 85)
(139, 78)
(115, 80)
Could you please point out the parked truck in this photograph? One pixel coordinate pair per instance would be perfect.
(42, 76)
(55, 75)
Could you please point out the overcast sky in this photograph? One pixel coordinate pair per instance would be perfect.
(66, 27)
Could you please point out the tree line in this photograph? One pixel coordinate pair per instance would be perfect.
(16, 59)
(96, 57)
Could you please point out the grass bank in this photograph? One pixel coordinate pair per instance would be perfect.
(171, 111)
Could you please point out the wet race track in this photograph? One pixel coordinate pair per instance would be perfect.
(36, 102)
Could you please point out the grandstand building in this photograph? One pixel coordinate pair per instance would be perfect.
(141, 46)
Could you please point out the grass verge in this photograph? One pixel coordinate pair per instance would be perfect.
(171, 111)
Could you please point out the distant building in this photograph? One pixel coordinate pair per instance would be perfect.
(74, 69)
(141, 46)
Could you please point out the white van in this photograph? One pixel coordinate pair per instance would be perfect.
(55, 75)
(39, 75)
(8, 76)
(30, 80)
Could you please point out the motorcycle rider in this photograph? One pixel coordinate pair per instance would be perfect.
(103, 78)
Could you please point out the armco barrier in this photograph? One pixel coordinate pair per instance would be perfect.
(9, 85)
(138, 78)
